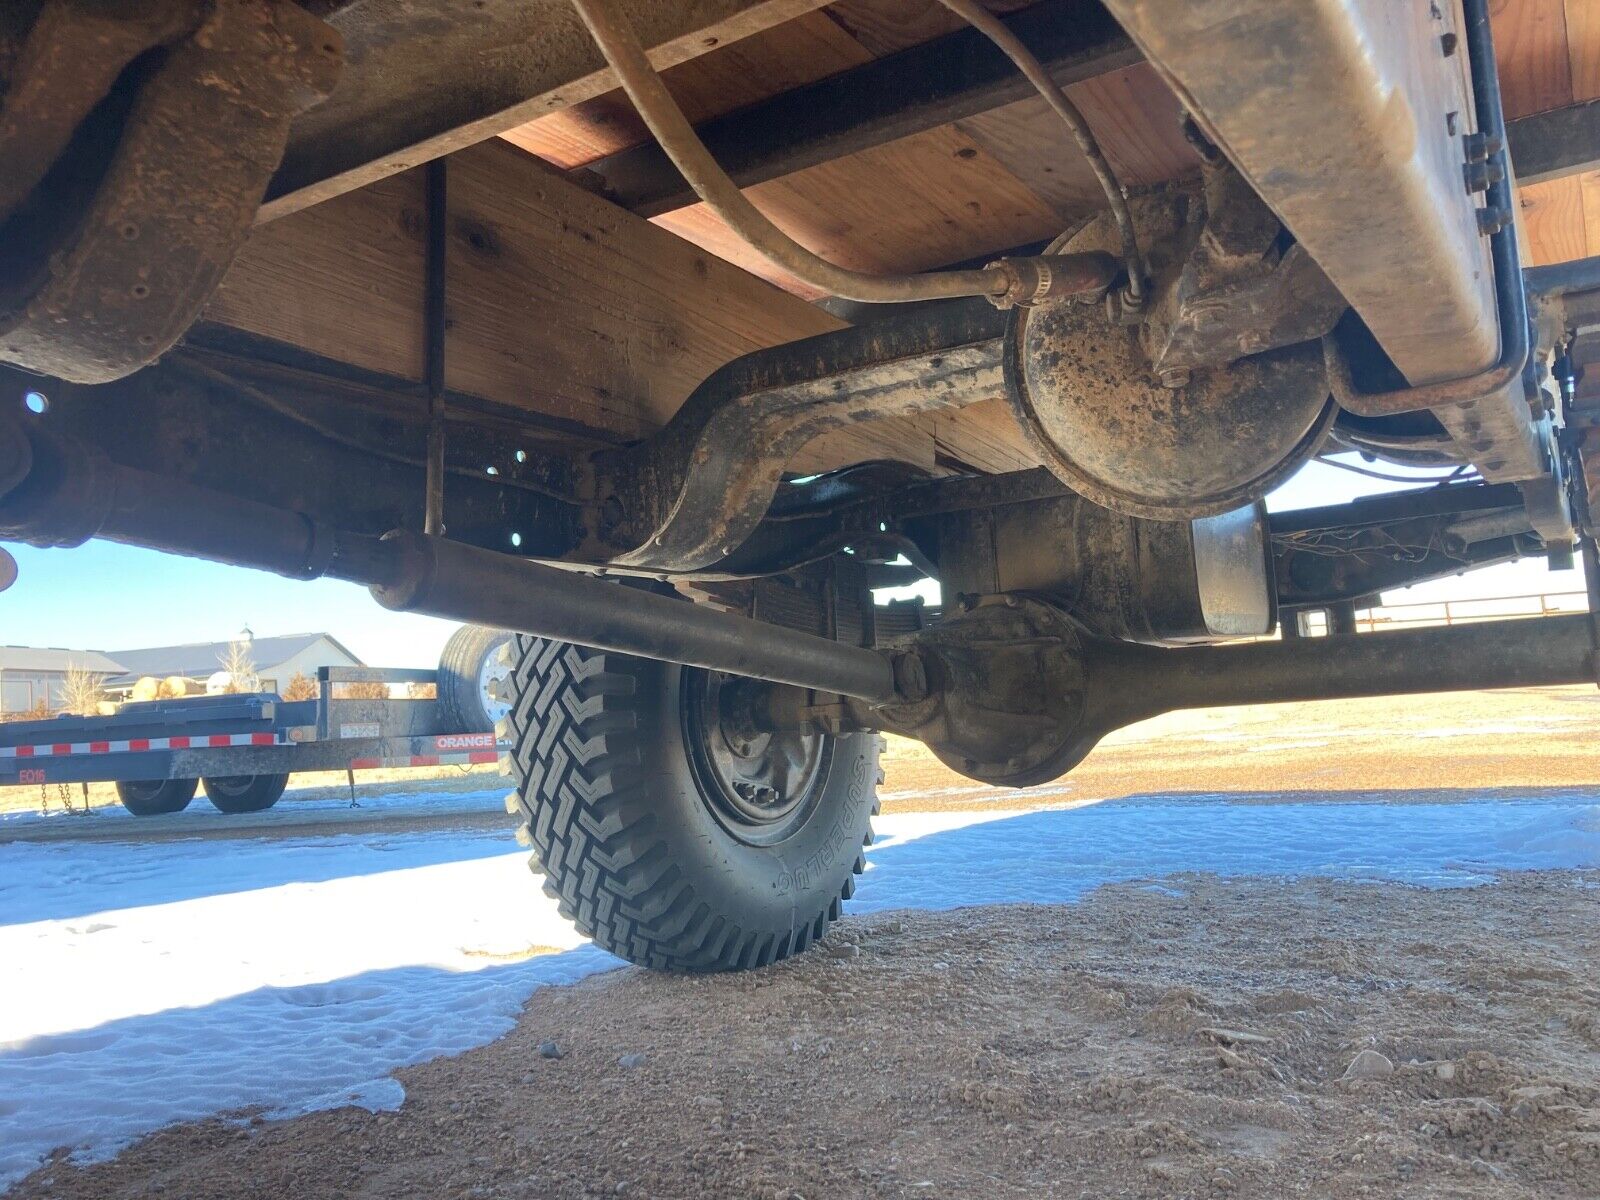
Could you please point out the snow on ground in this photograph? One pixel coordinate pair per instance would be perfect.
(145, 983)
(372, 803)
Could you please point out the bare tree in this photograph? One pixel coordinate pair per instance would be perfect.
(300, 687)
(82, 690)
(240, 667)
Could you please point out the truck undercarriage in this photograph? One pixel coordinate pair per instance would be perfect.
(505, 338)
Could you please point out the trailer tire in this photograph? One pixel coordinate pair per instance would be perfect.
(647, 853)
(234, 794)
(469, 666)
(156, 797)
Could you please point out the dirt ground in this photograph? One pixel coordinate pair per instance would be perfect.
(1432, 747)
(1185, 1040)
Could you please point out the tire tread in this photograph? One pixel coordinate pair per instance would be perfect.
(577, 754)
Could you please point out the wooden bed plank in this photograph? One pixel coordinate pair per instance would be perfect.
(1029, 140)
(1135, 116)
(1530, 39)
(418, 85)
(1553, 221)
(559, 302)
(342, 279)
(919, 202)
(885, 26)
(1583, 48)
(1589, 191)
(775, 60)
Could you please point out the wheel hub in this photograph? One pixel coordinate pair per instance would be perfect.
(493, 687)
(759, 784)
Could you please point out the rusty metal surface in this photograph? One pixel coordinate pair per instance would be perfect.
(1340, 115)
(1117, 576)
(693, 493)
(1157, 414)
(73, 492)
(1348, 551)
(428, 77)
(1085, 394)
(447, 579)
(1018, 696)
(104, 271)
(1239, 290)
(64, 65)
(1006, 701)
(358, 452)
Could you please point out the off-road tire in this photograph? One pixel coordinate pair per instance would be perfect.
(156, 797)
(461, 665)
(234, 794)
(629, 848)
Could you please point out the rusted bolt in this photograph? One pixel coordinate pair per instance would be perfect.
(1174, 378)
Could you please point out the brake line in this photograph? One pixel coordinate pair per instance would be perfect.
(1006, 282)
(1009, 44)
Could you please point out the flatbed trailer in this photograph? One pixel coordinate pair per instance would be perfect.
(225, 741)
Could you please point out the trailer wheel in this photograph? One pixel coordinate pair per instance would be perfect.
(666, 832)
(154, 797)
(470, 672)
(243, 793)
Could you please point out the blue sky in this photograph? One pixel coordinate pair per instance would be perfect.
(108, 597)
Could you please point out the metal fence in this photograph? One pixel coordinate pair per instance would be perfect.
(1456, 612)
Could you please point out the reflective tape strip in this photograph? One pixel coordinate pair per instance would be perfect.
(139, 745)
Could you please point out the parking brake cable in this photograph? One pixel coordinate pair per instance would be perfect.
(1008, 282)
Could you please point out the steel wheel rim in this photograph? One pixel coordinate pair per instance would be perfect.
(492, 677)
(760, 786)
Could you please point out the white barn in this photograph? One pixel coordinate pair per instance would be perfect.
(30, 675)
(277, 660)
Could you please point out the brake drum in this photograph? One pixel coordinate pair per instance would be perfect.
(1083, 390)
